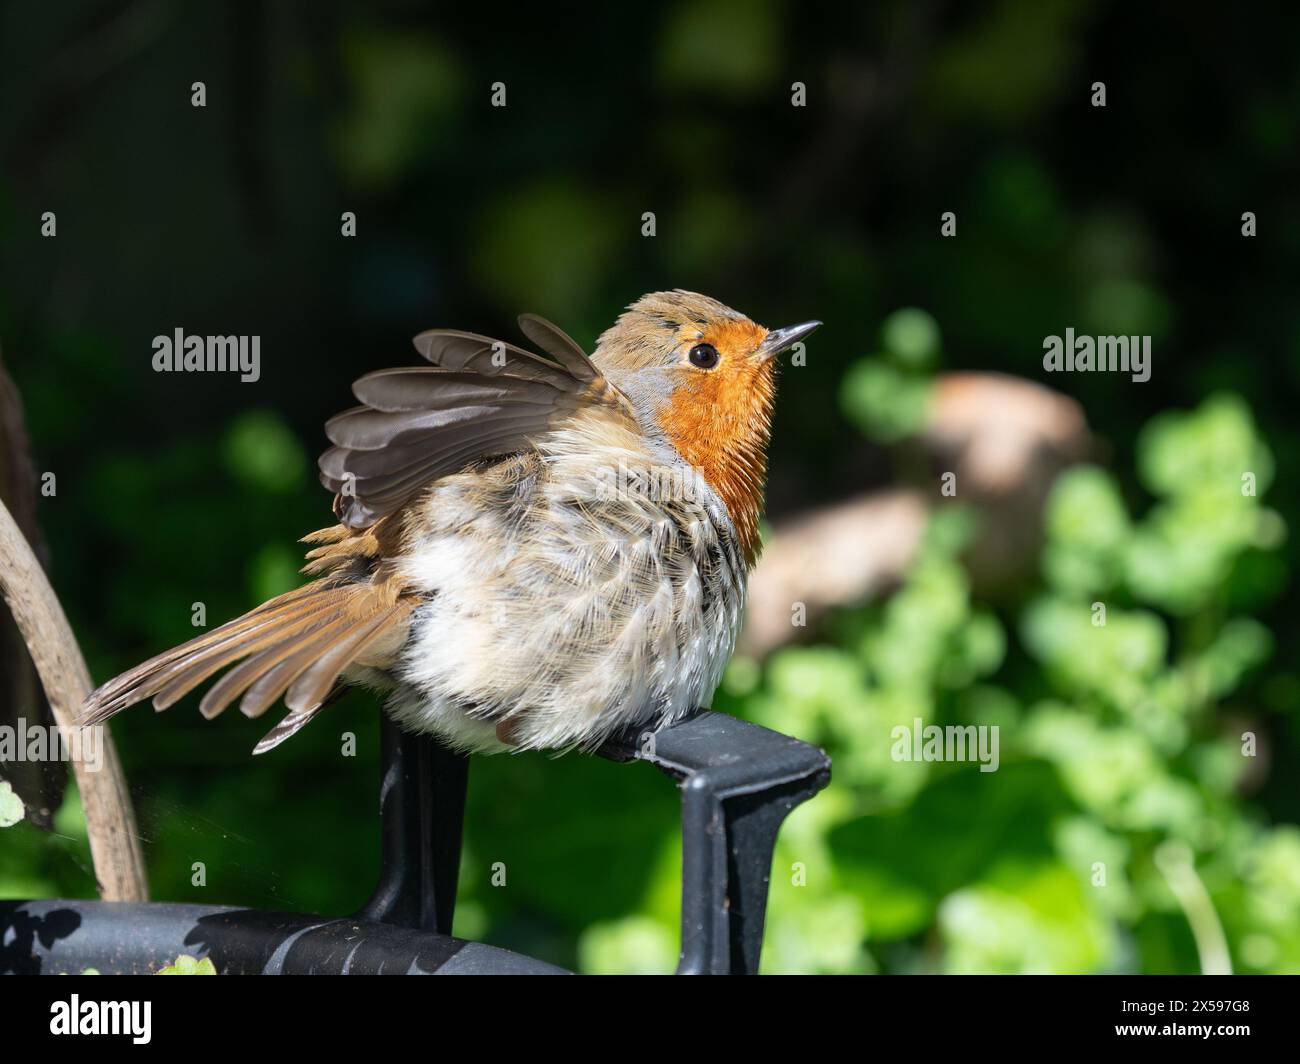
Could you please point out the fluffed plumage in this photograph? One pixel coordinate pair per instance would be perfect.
(533, 552)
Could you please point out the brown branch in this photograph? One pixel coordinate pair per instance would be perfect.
(110, 821)
(39, 784)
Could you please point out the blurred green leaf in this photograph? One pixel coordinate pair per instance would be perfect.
(404, 89)
(911, 337)
(725, 45)
(261, 453)
(884, 403)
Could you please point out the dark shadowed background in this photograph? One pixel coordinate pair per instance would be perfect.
(1129, 826)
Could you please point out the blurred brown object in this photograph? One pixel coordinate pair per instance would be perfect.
(40, 784)
(834, 556)
(1005, 438)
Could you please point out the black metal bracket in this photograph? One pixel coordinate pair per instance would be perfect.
(422, 816)
(739, 781)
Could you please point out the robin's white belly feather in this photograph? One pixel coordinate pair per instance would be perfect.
(566, 600)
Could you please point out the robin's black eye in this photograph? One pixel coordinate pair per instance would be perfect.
(704, 355)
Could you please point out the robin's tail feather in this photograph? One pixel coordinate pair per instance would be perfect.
(294, 646)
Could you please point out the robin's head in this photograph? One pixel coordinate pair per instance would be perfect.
(702, 378)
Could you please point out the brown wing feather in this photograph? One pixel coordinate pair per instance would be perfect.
(289, 725)
(310, 689)
(291, 722)
(295, 646)
(261, 668)
(481, 398)
(559, 345)
(192, 659)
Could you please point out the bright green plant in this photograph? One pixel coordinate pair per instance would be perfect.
(187, 965)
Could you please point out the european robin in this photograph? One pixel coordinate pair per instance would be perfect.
(531, 552)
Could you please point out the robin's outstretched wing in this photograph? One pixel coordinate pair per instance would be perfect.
(480, 398)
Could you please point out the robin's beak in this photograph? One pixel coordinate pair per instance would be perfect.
(778, 340)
